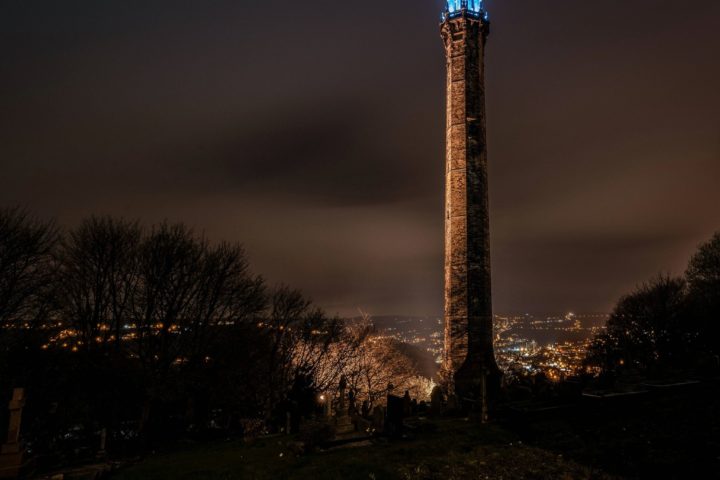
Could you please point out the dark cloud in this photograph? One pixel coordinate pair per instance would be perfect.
(316, 152)
(313, 133)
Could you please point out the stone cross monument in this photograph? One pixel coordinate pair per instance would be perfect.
(469, 363)
(12, 453)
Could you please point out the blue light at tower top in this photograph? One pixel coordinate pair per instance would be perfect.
(472, 8)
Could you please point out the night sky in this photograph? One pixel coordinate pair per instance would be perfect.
(313, 132)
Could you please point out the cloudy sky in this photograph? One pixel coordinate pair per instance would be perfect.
(312, 132)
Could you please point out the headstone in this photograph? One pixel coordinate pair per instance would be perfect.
(343, 422)
(436, 401)
(341, 391)
(423, 408)
(344, 425)
(394, 417)
(12, 455)
(453, 405)
(103, 440)
(365, 409)
(327, 406)
(352, 407)
(407, 404)
(378, 419)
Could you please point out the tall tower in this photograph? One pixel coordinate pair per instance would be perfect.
(469, 363)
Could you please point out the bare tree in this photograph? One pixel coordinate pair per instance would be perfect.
(168, 318)
(378, 363)
(341, 353)
(26, 248)
(97, 280)
(188, 294)
(300, 338)
(226, 294)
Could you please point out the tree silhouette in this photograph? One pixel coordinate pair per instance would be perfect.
(703, 276)
(647, 331)
(158, 332)
(97, 279)
(27, 246)
(668, 324)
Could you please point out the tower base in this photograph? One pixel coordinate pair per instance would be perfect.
(477, 386)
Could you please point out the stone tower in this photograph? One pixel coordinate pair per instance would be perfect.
(469, 362)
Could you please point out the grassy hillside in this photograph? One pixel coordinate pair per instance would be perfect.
(673, 434)
(446, 449)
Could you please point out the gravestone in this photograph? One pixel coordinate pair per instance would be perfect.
(407, 404)
(436, 401)
(102, 454)
(365, 409)
(453, 405)
(327, 406)
(12, 455)
(343, 421)
(341, 395)
(394, 417)
(378, 419)
(352, 405)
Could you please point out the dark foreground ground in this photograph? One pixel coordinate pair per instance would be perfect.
(662, 435)
(454, 451)
(666, 433)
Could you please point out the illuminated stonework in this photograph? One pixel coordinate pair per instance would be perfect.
(469, 363)
(456, 8)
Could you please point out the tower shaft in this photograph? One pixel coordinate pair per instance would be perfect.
(469, 362)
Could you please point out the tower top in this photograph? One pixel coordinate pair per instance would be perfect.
(470, 8)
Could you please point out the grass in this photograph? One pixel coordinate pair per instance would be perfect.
(674, 435)
(447, 449)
